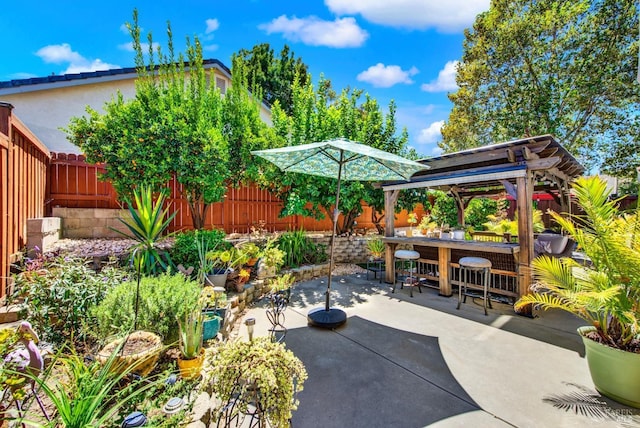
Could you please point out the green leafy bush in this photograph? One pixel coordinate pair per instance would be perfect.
(476, 213)
(163, 300)
(300, 249)
(444, 209)
(185, 249)
(60, 295)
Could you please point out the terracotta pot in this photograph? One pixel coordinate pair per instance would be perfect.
(191, 369)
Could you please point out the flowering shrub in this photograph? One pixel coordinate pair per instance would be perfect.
(59, 294)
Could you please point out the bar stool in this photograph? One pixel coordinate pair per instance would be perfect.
(411, 257)
(474, 264)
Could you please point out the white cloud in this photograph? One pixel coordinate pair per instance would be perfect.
(210, 48)
(340, 33)
(145, 46)
(431, 134)
(58, 54)
(446, 80)
(61, 54)
(385, 76)
(446, 16)
(212, 25)
(437, 151)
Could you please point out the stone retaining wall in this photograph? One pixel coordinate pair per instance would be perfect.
(350, 249)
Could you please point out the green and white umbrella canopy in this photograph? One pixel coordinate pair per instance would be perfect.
(344, 160)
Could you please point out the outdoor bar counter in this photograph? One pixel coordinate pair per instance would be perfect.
(439, 261)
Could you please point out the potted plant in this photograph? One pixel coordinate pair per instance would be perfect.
(604, 292)
(457, 233)
(376, 247)
(260, 373)
(221, 260)
(413, 219)
(251, 251)
(191, 352)
(214, 302)
(271, 260)
(282, 285)
(425, 224)
(205, 264)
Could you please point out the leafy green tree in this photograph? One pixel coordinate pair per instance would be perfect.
(272, 76)
(551, 66)
(177, 124)
(445, 209)
(315, 117)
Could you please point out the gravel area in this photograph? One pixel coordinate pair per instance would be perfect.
(118, 246)
(92, 247)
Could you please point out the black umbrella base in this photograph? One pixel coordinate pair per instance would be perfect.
(320, 317)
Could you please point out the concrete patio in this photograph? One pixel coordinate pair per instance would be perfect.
(414, 362)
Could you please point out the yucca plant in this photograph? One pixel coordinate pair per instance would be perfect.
(605, 291)
(147, 225)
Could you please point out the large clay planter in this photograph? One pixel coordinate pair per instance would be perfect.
(191, 369)
(614, 372)
(145, 359)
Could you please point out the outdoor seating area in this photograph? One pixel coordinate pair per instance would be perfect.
(463, 368)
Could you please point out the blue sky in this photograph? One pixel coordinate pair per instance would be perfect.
(405, 50)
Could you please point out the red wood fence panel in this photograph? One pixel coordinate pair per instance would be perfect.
(75, 184)
(23, 173)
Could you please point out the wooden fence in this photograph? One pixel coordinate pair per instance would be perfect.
(75, 184)
(23, 174)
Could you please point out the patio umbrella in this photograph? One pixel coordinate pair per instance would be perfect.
(344, 160)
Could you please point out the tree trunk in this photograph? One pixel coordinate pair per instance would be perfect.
(348, 220)
(198, 210)
(377, 220)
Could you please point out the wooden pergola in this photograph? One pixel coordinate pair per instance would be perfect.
(520, 168)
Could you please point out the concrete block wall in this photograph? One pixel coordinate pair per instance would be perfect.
(42, 232)
(91, 222)
(348, 249)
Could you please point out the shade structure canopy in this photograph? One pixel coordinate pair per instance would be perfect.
(343, 160)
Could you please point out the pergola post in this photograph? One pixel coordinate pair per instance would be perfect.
(524, 188)
(390, 199)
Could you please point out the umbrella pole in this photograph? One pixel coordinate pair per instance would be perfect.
(333, 235)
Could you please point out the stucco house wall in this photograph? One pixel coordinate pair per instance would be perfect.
(46, 104)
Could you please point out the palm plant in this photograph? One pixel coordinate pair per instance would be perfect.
(147, 226)
(605, 292)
